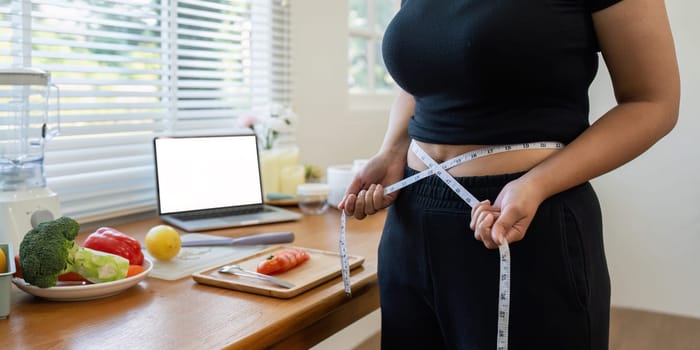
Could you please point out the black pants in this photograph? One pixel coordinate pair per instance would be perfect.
(439, 286)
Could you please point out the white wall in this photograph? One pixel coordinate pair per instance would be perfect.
(650, 206)
(651, 217)
(329, 131)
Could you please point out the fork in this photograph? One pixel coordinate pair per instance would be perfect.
(238, 270)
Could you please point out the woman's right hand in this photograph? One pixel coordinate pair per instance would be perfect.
(365, 194)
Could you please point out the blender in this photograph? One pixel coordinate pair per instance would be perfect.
(26, 97)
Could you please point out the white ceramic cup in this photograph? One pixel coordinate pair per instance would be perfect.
(339, 178)
(358, 164)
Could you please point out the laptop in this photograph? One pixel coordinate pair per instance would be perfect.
(212, 182)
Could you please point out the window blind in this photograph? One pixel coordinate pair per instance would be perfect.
(132, 70)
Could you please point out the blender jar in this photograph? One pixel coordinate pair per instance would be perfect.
(24, 127)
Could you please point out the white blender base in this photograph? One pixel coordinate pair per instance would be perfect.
(20, 211)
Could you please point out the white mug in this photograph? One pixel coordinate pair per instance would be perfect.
(339, 178)
(358, 164)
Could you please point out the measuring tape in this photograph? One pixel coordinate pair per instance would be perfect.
(344, 263)
(441, 171)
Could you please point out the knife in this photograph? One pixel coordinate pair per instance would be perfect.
(262, 238)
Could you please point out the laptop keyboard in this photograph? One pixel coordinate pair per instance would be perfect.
(217, 213)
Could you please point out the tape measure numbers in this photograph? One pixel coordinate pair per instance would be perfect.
(344, 263)
(440, 170)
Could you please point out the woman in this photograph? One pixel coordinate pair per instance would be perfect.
(480, 73)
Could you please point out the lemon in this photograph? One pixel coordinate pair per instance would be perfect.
(163, 242)
(3, 261)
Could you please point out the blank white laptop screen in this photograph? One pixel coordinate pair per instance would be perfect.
(196, 173)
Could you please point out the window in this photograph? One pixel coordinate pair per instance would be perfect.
(129, 70)
(367, 20)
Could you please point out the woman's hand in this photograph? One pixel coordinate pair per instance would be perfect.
(365, 194)
(508, 217)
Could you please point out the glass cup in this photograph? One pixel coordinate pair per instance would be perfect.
(313, 198)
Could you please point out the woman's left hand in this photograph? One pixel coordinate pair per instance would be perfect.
(508, 217)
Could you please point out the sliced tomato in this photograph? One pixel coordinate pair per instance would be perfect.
(282, 261)
(72, 277)
(18, 268)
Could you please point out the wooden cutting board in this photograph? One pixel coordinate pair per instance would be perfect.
(322, 266)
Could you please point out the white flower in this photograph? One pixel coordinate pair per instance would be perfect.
(279, 124)
(269, 123)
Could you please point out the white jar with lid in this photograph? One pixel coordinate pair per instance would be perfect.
(313, 198)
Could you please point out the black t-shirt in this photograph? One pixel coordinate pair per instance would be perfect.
(495, 71)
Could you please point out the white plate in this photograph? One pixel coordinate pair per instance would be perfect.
(72, 292)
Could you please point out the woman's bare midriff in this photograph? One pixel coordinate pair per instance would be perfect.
(500, 163)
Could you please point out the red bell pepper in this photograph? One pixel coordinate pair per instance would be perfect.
(107, 239)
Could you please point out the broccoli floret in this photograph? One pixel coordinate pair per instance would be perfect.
(49, 250)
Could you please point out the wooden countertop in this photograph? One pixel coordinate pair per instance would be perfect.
(182, 314)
